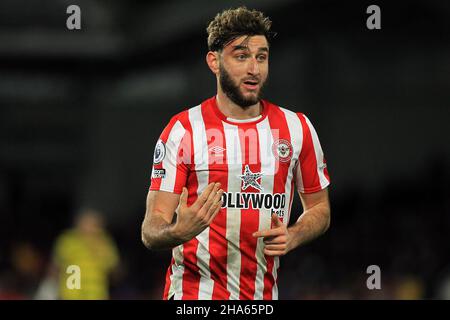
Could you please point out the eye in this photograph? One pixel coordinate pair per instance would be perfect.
(262, 57)
(241, 57)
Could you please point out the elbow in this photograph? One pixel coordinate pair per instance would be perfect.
(327, 220)
(146, 238)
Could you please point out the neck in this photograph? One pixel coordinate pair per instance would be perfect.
(232, 110)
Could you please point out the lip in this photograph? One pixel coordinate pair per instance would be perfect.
(250, 86)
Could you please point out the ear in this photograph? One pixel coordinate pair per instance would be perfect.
(212, 59)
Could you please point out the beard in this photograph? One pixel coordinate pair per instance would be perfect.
(232, 91)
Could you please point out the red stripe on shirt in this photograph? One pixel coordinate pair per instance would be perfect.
(277, 121)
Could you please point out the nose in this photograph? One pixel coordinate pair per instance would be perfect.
(253, 67)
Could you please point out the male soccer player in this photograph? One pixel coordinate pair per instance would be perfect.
(228, 168)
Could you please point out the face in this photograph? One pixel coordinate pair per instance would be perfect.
(243, 69)
(89, 223)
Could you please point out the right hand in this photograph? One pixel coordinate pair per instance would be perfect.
(194, 219)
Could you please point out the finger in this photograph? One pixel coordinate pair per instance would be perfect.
(217, 202)
(276, 221)
(214, 191)
(203, 197)
(274, 253)
(216, 211)
(211, 197)
(275, 247)
(269, 239)
(275, 240)
(268, 233)
(184, 197)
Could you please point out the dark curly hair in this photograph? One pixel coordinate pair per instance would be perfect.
(234, 23)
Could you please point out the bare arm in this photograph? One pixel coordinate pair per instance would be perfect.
(158, 231)
(157, 228)
(313, 222)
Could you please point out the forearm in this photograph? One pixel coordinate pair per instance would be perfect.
(310, 225)
(160, 235)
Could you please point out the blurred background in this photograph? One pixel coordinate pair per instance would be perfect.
(81, 111)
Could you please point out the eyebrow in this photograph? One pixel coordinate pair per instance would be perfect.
(241, 47)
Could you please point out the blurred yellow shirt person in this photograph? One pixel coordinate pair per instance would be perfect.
(89, 247)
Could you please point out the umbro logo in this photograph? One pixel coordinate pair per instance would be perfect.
(217, 150)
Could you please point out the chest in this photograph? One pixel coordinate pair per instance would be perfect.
(251, 159)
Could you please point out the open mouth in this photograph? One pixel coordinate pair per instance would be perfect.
(251, 84)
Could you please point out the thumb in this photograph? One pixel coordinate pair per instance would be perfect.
(183, 197)
(276, 221)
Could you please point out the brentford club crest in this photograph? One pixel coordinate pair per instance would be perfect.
(282, 150)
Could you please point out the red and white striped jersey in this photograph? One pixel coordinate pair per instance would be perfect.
(258, 162)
